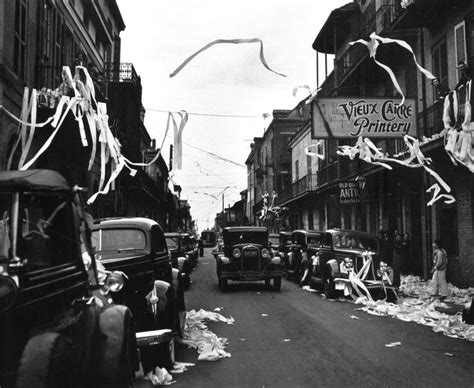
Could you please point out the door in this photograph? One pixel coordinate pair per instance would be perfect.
(448, 227)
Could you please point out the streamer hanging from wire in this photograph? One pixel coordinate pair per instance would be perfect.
(231, 41)
(372, 46)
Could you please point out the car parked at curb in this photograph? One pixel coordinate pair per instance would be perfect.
(246, 256)
(179, 251)
(284, 246)
(343, 250)
(305, 243)
(137, 247)
(56, 325)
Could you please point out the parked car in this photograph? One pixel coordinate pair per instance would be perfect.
(180, 255)
(246, 256)
(347, 248)
(192, 249)
(137, 247)
(274, 242)
(308, 241)
(53, 330)
(284, 246)
(208, 238)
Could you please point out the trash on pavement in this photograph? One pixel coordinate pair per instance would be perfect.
(160, 377)
(264, 315)
(393, 344)
(196, 335)
(449, 354)
(354, 317)
(416, 304)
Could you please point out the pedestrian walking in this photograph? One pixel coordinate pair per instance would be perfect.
(440, 263)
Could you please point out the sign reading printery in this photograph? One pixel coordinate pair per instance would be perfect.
(351, 117)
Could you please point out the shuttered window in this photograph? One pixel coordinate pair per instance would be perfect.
(460, 42)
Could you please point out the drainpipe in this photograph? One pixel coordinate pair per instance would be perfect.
(426, 216)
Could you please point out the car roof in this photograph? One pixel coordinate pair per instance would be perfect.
(315, 232)
(359, 232)
(173, 234)
(246, 229)
(124, 221)
(33, 180)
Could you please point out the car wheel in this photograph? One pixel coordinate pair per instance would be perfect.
(277, 284)
(46, 362)
(116, 348)
(223, 284)
(329, 287)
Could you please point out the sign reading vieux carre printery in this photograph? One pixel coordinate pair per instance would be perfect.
(351, 117)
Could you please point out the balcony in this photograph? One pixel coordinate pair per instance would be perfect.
(388, 13)
(430, 121)
(349, 61)
(328, 174)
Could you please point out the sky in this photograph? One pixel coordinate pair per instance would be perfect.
(225, 80)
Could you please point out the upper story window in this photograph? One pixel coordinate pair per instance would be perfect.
(297, 170)
(440, 63)
(20, 38)
(460, 42)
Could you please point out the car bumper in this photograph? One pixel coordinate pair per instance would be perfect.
(251, 275)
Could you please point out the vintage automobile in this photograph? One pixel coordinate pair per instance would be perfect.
(192, 249)
(55, 327)
(285, 243)
(308, 241)
(246, 256)
(137, 247)
(343, 251)
(179, 252)
(274, 242)
(208, 238)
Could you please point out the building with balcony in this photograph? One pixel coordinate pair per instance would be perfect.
(269, 162)
(39, 38)
(440, 33)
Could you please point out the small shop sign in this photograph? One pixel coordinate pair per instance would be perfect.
(351, 117)
(349, 192)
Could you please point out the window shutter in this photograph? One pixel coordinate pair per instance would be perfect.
(460, 42)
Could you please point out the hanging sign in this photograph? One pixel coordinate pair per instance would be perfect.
(351, 117)
(349, 192)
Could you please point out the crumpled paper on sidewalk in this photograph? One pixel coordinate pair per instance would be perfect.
(160, 377)
(416, 304)
(196, 335)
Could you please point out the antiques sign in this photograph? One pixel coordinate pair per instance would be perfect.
(349, 192)
(351, 117)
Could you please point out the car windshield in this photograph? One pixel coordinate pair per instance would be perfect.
(274, 240)
(314, 241)
(45, 234)
(355, 241)
(118, 239)
(172, 242)
(232, 238)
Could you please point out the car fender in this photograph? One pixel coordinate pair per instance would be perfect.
(331, 268)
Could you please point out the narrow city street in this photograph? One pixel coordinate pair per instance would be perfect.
(295, 338)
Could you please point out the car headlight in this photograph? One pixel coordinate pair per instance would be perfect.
(236, 253)
(114, 282)
(276, 260)
(265, 253)
(225, 260)
(348, 263)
